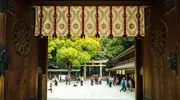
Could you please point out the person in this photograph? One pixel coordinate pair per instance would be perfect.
(77, 78)
(96, 79)
(75, 83)
(114, 80)
(82, 79)
(66, 79)
(60, 78)
(122, 85)
(117, 81)
(99, 80)
(92, 79)
(50, 87)
(69, 79)
(110, 82)
(56, 83)
(126, 84)
(107, 80)
(130, 84)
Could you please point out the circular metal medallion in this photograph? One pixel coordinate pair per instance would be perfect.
(21, 38)
(158, 38)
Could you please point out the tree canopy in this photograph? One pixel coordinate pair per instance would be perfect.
(67, 53)
(72, 52)
(113, 47)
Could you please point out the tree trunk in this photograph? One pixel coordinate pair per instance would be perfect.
(69, 69)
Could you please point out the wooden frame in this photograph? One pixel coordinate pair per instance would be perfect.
(2, 87)
(91, 2)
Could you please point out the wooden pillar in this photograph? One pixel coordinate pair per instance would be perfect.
(2, 41)
(39, 83)
(2, 87)
(2, 28)
(138, 65)
(126, 76)
(178, 18)
(43, 63)
(101, 70)
(84, 71)
(43, 54)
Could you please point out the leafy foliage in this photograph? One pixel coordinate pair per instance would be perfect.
(66, 52)
(72, 52)
(112, 47)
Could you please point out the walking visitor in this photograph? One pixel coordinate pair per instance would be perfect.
(122, 85)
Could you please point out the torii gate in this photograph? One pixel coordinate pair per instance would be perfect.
(93, 63)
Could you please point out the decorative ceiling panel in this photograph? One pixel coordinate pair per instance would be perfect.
(131, 20)
(62, 21)
(48, 20)
(104, 20)
(118, 21)
(76, 20)
(89, 20)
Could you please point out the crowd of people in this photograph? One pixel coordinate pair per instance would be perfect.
(68, 79)
(96, 79)
(126, 84)
(118, 80)
(79, 79)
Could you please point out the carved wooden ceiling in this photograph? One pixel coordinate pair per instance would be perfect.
(90, 2)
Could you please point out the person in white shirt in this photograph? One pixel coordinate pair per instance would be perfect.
(125, 84)
(110, 82)
(99, 80)
(130, 84)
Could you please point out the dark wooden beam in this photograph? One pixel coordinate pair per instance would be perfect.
(90, 2)
(138, 69)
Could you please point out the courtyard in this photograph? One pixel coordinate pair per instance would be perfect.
(88, 92)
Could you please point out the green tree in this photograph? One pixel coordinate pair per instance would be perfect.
(112, 47)
(68, 53)
(73, 52)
